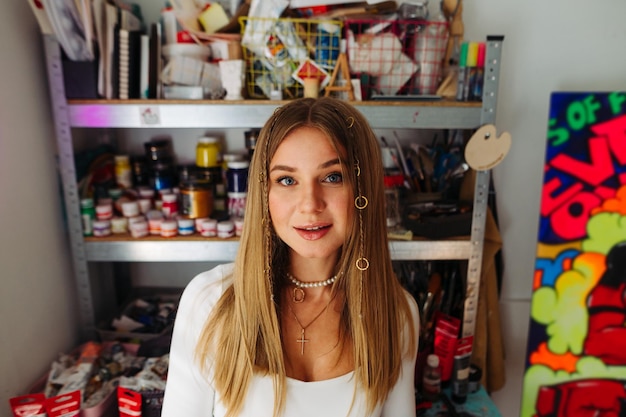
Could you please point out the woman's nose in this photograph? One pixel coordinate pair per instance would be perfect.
(311, 198)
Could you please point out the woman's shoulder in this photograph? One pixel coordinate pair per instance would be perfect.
(205, 289)
(412, 303)
(415, 319)
(212, 277)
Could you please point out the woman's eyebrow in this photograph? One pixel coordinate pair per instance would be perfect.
(329, 163)
(334, 161)
(282, 168)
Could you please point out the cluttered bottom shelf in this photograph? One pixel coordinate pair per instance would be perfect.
(477, 404)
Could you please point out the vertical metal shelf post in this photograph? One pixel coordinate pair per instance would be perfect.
(70, 189)
(481, 188)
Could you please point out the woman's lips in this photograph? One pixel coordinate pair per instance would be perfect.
(312, 232)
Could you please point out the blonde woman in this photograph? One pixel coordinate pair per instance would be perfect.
(310, 319)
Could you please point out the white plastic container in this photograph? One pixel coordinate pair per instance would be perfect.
(169, 228)
(130, 209)
(104, 211)
(208, 227)
(185, 226)
(139, 229)
(238, 226)
(155, 218)
(225, 229)
(119, 225)
(101, 228)
(170, 205)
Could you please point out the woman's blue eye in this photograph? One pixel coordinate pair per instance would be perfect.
(286, 181)
(335, 178)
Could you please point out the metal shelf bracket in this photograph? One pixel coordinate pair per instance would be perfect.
(481, 189)
(70, 189)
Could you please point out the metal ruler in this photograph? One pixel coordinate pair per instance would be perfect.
(481, 188)
(70, 189)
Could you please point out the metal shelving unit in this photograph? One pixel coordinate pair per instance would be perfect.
(198, 249)
(251, 114)
(221, 114)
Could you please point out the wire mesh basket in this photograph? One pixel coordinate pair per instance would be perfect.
(280, 54)
(396, 57)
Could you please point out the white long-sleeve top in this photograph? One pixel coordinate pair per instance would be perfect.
(189, 393)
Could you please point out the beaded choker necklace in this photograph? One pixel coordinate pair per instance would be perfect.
(298, 292)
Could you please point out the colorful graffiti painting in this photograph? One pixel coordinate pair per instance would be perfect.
(576, 354)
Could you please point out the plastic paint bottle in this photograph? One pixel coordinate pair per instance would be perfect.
(123, 172)
(431, 380)
(225, 229)
(170, 205)
(88, 215)
(237, 176)
(208, 152)
(169, 228)
(101, 228)
(208, 227)
(196, 199)
(185, 226)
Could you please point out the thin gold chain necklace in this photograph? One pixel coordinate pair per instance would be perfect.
(302, 340)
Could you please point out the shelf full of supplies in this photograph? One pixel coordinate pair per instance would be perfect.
(397, 114)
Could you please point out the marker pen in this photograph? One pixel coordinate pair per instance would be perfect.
(462, 71)
(470, 78)
(477, 92)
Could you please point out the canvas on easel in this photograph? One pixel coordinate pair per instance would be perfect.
(576, 353)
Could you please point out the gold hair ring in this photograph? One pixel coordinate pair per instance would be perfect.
(362, 264)
(350, 121)
(361, 202)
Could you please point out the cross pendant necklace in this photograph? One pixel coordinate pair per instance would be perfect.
(302, 339)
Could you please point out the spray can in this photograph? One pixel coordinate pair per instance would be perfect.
(461, 369)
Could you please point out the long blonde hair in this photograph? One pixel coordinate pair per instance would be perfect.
(242, 336)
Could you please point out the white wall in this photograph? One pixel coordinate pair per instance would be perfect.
(561, 45)
(549, 46)
(37, 297)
